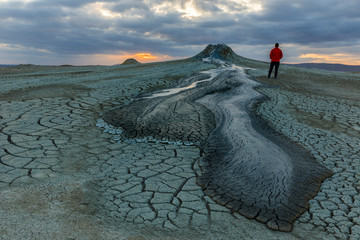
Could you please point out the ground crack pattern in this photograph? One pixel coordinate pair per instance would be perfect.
(255, 173)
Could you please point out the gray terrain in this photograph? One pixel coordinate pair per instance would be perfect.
(329, 66)
(187, 149)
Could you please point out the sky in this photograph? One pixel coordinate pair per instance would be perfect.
(89, 32)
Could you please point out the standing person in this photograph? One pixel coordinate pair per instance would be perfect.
(275, 56)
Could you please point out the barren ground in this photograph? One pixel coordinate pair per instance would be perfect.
(63, 178)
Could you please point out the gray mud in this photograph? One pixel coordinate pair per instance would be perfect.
(249, 171)
(252, 169)
(175, 117)
(64, 178)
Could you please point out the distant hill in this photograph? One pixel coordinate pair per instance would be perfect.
(329, 66)
(130, 61)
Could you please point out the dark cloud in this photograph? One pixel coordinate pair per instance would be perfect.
(307, 22)
(64, 3)
(129, 5)
(76, 27)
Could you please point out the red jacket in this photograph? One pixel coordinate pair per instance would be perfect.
(276, 54)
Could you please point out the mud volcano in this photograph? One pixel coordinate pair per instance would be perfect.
(247, 167)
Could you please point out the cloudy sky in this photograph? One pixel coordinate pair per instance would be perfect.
(109, 31)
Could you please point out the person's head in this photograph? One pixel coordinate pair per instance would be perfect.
(276, 45)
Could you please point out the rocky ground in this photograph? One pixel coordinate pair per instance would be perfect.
(64, 178)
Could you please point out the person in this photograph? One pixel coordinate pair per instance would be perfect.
(275, 56)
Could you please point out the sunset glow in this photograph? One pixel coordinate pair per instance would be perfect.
(342, 58)
(145, 56)
(112, 59)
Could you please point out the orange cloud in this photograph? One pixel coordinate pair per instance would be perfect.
(145, 56)
(331, 58)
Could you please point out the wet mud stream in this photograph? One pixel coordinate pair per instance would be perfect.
(246, 166)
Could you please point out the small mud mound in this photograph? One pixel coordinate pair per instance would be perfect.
(130, 61)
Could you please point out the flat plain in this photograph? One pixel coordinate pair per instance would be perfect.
(62, 177)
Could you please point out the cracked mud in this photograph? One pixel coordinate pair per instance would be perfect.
(242, 169)
(64, 178)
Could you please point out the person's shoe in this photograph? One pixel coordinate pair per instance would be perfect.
(274, 77)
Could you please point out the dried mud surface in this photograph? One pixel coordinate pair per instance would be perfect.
(241, 169)
(320, 110)
(64, 178)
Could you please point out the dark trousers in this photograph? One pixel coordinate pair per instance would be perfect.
(272, 64)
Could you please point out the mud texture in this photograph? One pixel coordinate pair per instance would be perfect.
(242, 169)
(269, 181)
(173, 118)
(64, 178)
